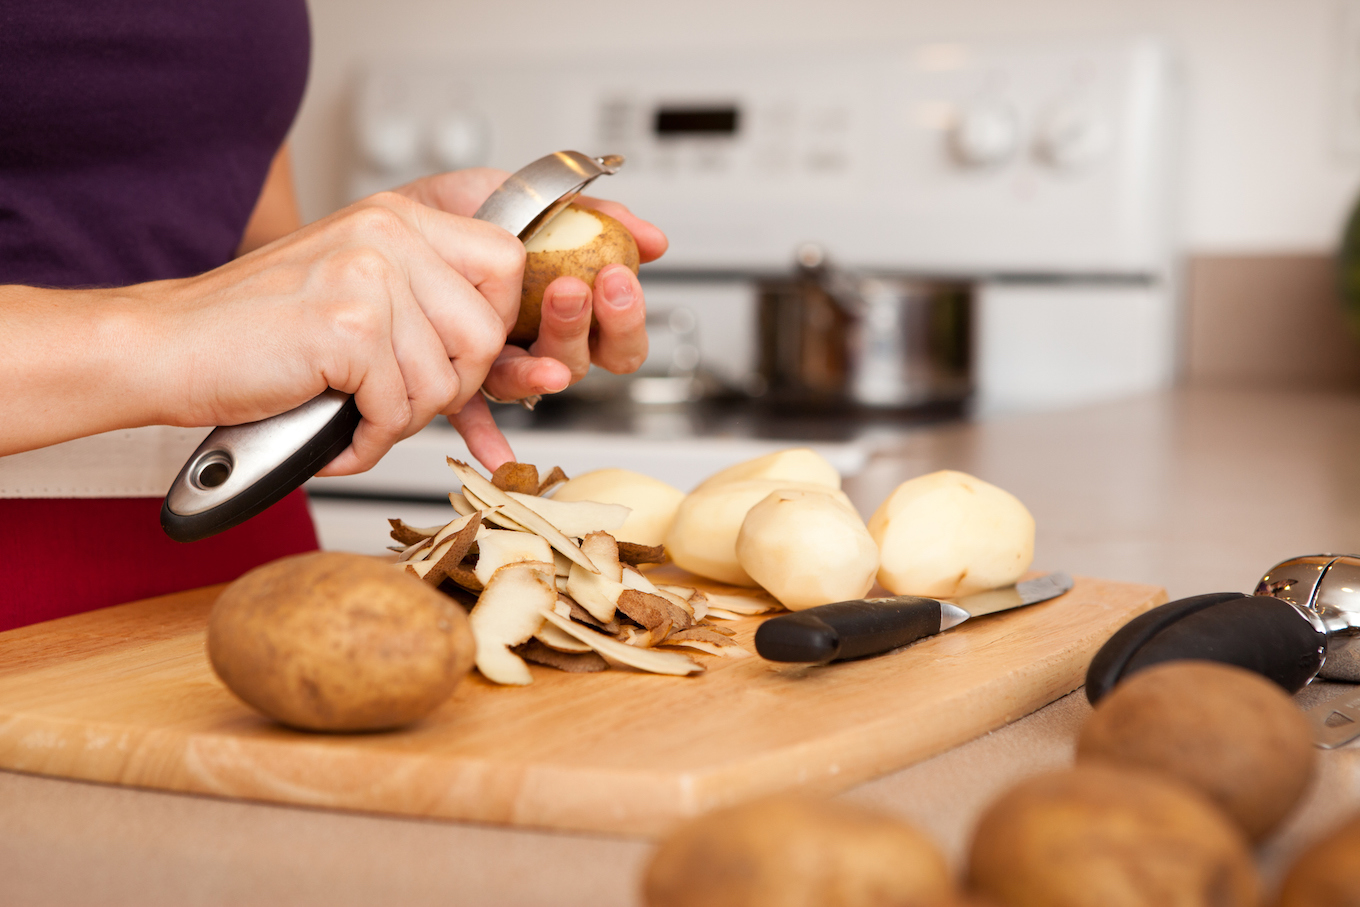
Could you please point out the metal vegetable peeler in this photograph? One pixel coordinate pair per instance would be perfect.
(240, 470)
(1302, 622)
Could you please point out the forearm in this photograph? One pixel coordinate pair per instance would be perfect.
(75, 363)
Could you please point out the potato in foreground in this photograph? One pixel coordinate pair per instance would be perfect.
(1101, 836)
(1239, 739)
(949, 534)
(807, 549)
(793, 851)
(578, 242)
(338, 642)
(1327, 872)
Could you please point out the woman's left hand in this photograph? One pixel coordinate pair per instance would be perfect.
(566, 347)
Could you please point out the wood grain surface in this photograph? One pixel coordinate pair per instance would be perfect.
(125, 695)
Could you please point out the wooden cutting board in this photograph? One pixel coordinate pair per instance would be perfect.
(125, 695)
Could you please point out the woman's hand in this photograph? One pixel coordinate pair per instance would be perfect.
(566, 346)
(402, 305)
(401, 299)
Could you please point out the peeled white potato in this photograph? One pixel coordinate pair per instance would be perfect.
(576, 519)
(652, 501)
(807, 549)
(794, 464)
(948, 534)
(703, 538)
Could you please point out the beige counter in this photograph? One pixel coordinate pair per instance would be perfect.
(1196, 491)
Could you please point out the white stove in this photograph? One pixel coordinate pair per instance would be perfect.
(1038, 171)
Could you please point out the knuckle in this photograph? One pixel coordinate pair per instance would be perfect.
(362, 265)
(509, 253)
(378, 220)
(363, 325)
(444, 387)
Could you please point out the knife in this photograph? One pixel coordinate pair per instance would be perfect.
(872, 626)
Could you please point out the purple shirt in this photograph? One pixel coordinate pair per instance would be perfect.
(135, 135)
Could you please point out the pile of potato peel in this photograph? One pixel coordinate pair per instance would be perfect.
(547, 583)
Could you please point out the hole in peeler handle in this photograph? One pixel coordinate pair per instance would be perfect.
(212, 469)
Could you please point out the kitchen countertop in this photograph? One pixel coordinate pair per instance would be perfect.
(1196, 491)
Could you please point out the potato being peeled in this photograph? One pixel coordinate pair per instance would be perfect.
(338, 642)
(578, 242)
(949, 534)
(807, 549)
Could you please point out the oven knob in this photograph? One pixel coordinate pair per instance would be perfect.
(388, 128)
(1072, 137)
(390, 141)
(985, 134)
(458, 140)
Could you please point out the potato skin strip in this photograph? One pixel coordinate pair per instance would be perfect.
(643, 659)
(474, 482)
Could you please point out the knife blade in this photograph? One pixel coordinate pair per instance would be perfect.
(871, 626)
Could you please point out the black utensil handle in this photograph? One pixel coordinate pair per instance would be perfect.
(318, 450)
(845, 630)
(1255, 632)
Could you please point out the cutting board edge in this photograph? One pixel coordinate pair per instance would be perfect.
(677, 795)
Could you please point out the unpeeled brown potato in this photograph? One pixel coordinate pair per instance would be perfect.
(703, 537)
(807, 549)
(1232, 734)
(578, 242)
(1328, 872)
(338, 642)
(794, 851)
(949, 534)
(1102, 836)
(652, 501)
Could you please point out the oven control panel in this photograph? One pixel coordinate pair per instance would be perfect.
(962, 158)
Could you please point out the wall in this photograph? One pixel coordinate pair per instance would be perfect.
(1262, 172)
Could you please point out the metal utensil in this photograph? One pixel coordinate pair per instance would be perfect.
(1302, 623)
(871, 626)
(832, 337)
(240, 470)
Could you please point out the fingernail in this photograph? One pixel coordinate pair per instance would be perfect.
(570, 303)
(618, 288)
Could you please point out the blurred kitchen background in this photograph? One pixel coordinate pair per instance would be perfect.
(883, 213)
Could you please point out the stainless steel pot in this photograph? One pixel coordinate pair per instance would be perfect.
(834, 337)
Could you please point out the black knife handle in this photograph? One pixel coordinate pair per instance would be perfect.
(845, 630)
(1255, 632)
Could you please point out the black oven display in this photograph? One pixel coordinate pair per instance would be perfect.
(684, 122)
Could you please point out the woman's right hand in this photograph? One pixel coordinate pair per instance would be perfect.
(398, 303)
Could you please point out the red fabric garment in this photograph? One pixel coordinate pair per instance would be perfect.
(61, 556)
(135, 137)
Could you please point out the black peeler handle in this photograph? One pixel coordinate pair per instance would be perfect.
(1256, 632)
